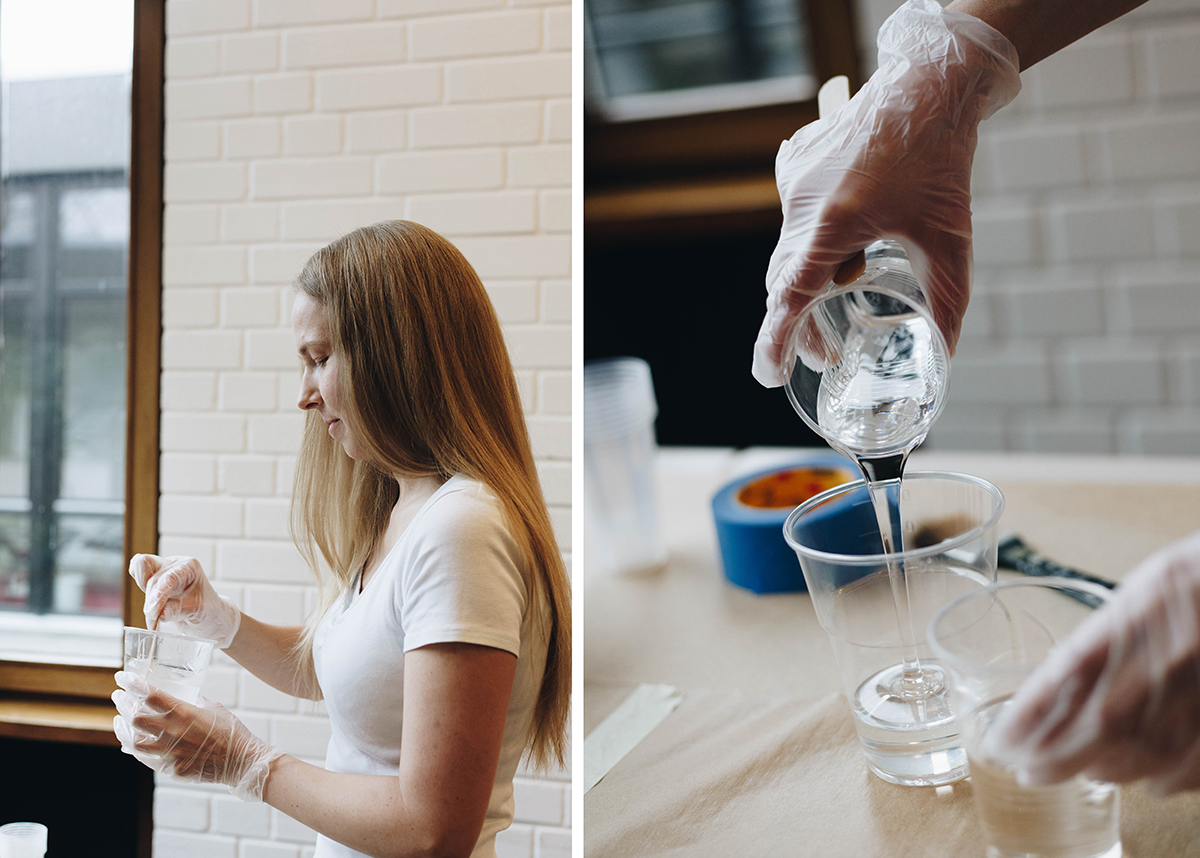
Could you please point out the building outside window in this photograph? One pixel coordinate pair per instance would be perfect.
(65, 96)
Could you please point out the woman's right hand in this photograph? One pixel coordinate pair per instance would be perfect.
(178, 591)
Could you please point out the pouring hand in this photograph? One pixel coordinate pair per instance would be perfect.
(198, 744)
(1120, 698)
(177, 590)
(894, 161)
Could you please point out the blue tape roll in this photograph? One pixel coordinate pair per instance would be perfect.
(753, 551)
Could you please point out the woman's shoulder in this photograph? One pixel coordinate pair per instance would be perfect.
(463, 507)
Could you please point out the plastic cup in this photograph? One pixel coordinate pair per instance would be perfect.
(620, 487)
(875, 606)
(990, 640)
(172, 663)
(23, 840)
(870, 369)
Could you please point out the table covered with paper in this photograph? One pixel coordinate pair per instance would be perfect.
(714, 719)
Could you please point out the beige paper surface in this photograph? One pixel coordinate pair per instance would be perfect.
(727, 775)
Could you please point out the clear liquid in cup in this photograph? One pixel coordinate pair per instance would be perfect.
(880, 397)
(905, 723)
(181, 682)
(1079, 818)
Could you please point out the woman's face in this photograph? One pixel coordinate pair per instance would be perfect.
(319, 371)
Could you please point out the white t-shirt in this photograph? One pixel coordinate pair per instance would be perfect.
(455, 575)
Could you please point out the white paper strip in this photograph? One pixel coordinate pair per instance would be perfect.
(619, 733)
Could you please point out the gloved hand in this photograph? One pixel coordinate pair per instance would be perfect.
(198, 744)
(1120, 698)
(178, 591)
(893, 162)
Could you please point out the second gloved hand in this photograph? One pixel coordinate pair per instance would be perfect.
(893, 162)
(198, 744)
(178, 591)
(1120, 698)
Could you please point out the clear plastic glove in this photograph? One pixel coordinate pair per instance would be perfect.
(178, 591)
(893, 162)
(197, 744)
(1120, 698)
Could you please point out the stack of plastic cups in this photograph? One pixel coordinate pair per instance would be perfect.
(23, 840)
(619, 482)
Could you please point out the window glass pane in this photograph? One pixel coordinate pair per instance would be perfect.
(65, 67)
(663, 57)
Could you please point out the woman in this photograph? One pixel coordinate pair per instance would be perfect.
(442, 644)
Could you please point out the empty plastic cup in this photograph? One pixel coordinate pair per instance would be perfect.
(620, 488)
(23, 840)
(172, 663)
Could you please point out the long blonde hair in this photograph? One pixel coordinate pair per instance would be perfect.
(428, 389)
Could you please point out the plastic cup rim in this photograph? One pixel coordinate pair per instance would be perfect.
(912, 553)
(1048, 582)
(162, 634)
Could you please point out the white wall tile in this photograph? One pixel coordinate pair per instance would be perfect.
(476, 125)
(370, 89)
(376, 131)
(1036, 159)
(312, 177)
(244, 53)
(192, 57)
(539, 166)
(1097, 70)
(190, 17)
(193, 141)
(187, 473)
(174, 844)
(312, 135)
(476, 214)
(1174, 54)
(410, 8)
(449, 170)
(250, 222)
(509, 78)
(253, 138)
(185, 809)
(375, 43)
(283, 93)
(455, 36)
(190, 308)
(203, 182)
(1014, 376)
(231, 815)
(1101, 372)
(1104, 231)
(1155, 147)
(207, 99)
(191, 224)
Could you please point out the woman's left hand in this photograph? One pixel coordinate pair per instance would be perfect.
(201, 744)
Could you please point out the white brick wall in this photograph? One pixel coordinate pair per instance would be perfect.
(289, 123)
(1083, 330)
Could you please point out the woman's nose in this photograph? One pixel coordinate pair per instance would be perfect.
(310, 396)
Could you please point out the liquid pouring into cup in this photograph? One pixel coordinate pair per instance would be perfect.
(870, 372)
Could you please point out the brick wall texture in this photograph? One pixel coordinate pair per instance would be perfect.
(289, 123)
(1083, 333)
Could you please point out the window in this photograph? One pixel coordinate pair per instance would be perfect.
(653, 58)
(79, 279)
(688, 101)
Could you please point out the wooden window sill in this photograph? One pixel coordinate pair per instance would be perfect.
(58, 719)
(691, 205)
